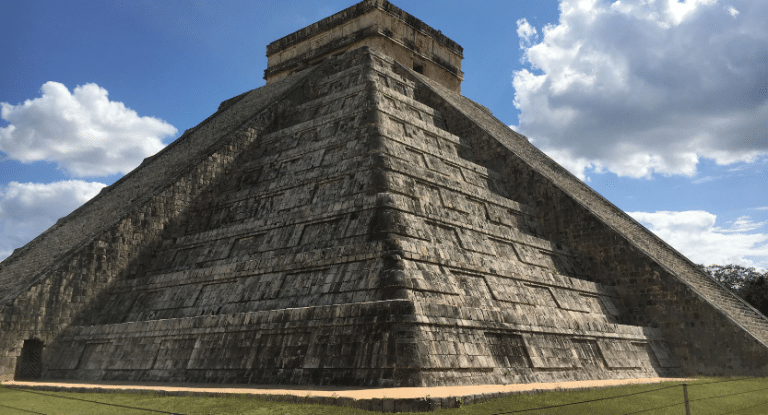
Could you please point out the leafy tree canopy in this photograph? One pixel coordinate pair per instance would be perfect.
(732, 276)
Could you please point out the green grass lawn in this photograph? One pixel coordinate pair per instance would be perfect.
(706, 398)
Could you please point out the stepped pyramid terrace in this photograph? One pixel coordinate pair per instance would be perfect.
(357, 221)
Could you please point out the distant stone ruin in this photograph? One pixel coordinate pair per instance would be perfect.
(356, 221)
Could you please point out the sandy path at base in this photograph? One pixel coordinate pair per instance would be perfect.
(356, 393)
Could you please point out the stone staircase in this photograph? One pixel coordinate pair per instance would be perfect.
(735, 307)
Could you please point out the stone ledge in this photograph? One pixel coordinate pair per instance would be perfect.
(358, 10)
(352, 314)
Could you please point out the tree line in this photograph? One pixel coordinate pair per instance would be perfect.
(747, 283)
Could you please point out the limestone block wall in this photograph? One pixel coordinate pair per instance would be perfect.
(371, 343)
(711, 331)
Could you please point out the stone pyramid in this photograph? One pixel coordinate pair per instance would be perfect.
(356, 221)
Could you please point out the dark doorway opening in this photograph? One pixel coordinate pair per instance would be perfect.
(30, 364)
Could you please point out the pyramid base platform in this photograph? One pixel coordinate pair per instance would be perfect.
(396, 343)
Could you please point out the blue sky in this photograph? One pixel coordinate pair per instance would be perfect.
(662, 107)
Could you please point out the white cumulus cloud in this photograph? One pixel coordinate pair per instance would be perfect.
(28, 209)
(644, 88)
(695, 235)
(83, 132)
(525, 32)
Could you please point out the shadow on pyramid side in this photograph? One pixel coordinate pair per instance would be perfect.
(361, 223)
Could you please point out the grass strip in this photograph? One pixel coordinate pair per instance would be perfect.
(708, 396)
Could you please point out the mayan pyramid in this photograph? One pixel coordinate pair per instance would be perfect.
(356, 221)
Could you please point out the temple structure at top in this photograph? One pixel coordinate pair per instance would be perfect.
(374, 23)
